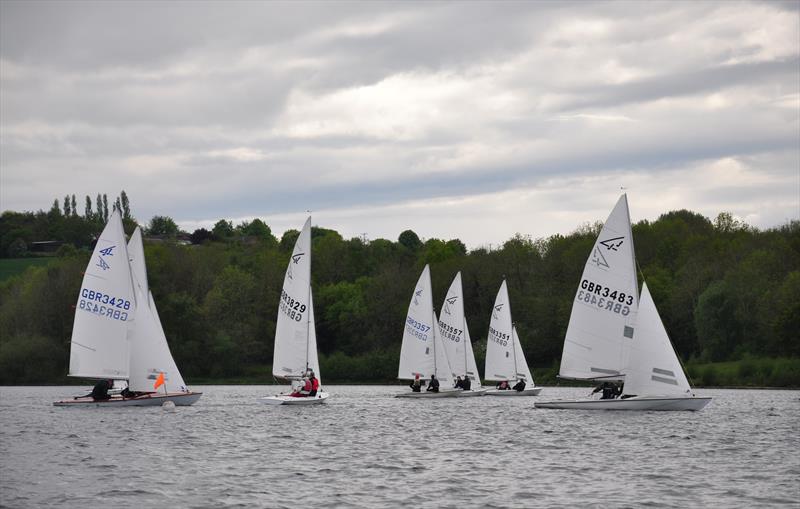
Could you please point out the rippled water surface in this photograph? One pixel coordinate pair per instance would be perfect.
(365, 448)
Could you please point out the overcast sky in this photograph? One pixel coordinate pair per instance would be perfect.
(465, 120)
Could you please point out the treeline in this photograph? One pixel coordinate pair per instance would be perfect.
(725, 291)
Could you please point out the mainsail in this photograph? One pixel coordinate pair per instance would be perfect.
(295, 337)
(604, 309)
(504, 357)
(423, 352)
(105, 305)
(455, 334)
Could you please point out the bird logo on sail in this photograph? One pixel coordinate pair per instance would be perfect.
(295, 260)
(613, 244)
(102, 264)
(417, 294)
(448, 303)
(497, 309)
(598, 259)
(109, 251)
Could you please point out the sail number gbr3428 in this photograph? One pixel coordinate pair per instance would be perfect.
(292, 308)
(604, 297)
(104, 304)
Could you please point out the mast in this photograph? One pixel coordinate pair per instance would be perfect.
(308, 295)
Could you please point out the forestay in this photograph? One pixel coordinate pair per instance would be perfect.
(149, 351)
(106, 303)
(455, 334)
(423, 352)
(605, 304)
(295, 338)
(653, 368)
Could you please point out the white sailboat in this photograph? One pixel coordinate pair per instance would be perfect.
(455, 335)
(295, 353)
(423, 352)
(505, 360)
(614, 336)
(117, 333)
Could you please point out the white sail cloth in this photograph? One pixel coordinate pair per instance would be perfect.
(455, 334)
(504, 357)
(106, 303)
(605, 304)
(423, 352)
(295, 336)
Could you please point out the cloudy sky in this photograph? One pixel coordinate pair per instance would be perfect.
(465, 120)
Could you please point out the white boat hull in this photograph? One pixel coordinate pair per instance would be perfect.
(429, 395)
(285, 399)
(471, 393)
(643, 403)
(533, 391)
(154, 399)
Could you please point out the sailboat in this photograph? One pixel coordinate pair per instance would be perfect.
(423, 352)
(614, 335)
(295, 354)
(117, 333)
(505, 360)
(455, 335)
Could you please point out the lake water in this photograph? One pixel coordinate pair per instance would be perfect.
(365, 448)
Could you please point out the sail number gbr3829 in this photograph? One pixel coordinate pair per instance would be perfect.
(604, 297)
(292, 308)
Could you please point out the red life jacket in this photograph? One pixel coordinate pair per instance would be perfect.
(314, 384)
(308, 386)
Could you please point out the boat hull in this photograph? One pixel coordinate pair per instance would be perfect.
(429, 395)
(533, 391)
(471, 393)
(644, 403)
(179, 398)
(285, 399)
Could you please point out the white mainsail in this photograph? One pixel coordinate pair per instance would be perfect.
(423, 352)
(653, 368)
(149, 351)
(295, 337)
(105, 305)
(500, 343)
(605, 304)
(455, 335)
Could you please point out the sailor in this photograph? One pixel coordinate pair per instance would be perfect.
(433, 385)
(609, 390)
(503, 386)
(415, 385)
(520, 385)
(100, 390)
(459, 384)
(314, 384)
(466, 384)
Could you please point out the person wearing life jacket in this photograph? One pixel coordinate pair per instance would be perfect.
(433, 385)
(503, 385)
(301, 390)
(100, 390)
(314, 384)
(466, 384)
(415, 384)
(520, 386)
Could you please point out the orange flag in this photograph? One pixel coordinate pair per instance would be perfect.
(159, 381)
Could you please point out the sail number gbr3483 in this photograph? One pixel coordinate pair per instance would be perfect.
(604, 297)
(292, 308)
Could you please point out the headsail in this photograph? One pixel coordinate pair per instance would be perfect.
(653, 368)
(149, 351)
(106, 303)
(294, 327)
(605, 304)
(523, 371)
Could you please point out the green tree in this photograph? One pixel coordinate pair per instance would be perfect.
(87, 211)
(126, 206)
(67, 208)
(223, 229)
(410, 240)
(162, 225)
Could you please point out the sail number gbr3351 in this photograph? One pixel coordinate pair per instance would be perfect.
(292, 308)
(604, 297)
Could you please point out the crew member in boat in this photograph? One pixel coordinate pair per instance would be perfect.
(302, 390)
(415, 384)
(433, 385)
(100, 390)
(466, 384)
(314, 383)
(503, 386)
(459, 383)
(519, 386)
(609, 390)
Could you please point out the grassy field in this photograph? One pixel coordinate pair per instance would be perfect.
(10, 267)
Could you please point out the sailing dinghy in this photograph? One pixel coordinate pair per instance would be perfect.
(295, 354)
(117, 333)
(505, 360)
(613, 335)
(455, 335)
(423, 352)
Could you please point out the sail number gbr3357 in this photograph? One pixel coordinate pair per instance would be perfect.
(604, 297)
